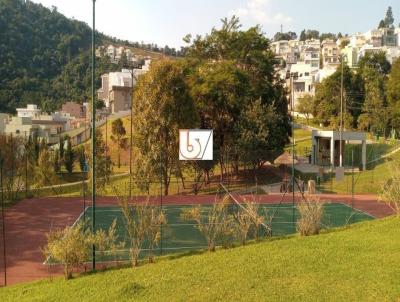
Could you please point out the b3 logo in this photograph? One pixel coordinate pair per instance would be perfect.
(195, 144)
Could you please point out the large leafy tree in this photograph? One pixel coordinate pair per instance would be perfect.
(258, 138)
(234, 68)
(377, 61)
(162, 106)
(393, 94)
(375, 113)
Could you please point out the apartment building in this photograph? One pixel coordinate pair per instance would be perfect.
(330, 52)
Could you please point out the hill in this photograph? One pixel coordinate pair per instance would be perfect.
(45, 57)
(356, 264)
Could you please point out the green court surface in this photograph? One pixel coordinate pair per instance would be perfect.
(178, 235)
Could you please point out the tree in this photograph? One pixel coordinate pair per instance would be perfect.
(118, 137)
(231, 69)
(45, 175)
(103, 162)
(303, 35)
(393, 94)
(82, 159)
(163, 106)
(259, 135)
(381, 24)
(69, 157)
(279, 36)
(389, 19)
(377, 61)
(305, 106)
(375, 114)
(57, 165)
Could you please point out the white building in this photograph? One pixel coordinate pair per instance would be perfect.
(311, 56)
(374, 37)
(304, 82)
(31, 111)
(358, 40)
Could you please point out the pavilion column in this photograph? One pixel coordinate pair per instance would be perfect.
(364, 155)
(313, 150)
(333, 151)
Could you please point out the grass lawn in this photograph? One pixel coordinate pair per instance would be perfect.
(356, 264)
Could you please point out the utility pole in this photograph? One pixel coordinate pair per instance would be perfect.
(293, 180)
(93, 136)
(3, 220)
(131, 139)
(341, 117)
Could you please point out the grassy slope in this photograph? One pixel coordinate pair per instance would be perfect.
(358, 264)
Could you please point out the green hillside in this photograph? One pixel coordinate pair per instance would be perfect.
(45, 57)
(356, 264)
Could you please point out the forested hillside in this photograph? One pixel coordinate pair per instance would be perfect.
(45, 57)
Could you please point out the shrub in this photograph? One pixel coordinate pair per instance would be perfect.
(213, 226)
(107, 241)
(390, 193)
(136, 224)
(156, 218)
(69, 246)
(311, 213)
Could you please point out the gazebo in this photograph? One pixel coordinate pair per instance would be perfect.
(326, 147)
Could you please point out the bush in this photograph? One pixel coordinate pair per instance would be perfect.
(215, 225)
(311, 213)
(108, 241)
(390, 193)
(69, 246)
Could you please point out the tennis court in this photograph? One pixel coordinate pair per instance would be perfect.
(179, 235)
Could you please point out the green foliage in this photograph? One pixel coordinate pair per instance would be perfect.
(69, 246)
(375, 116)
(103, 162)
(45, 174)
(82, 159)
(305, 106)
(377, 61)
(258, 137)
(118, 137)
(309, 34)
(390, 191)
(393, 94)
(285, 36)
(389, 19)
(69, 157)
(57, 164)
(162, 106)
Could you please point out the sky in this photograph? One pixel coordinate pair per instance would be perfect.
(168, 21)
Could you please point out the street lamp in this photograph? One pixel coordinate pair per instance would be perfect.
(93, 136)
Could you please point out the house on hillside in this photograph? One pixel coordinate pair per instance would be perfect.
(116, 87)
(32, 111)
(75, 110)
(330, 52)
